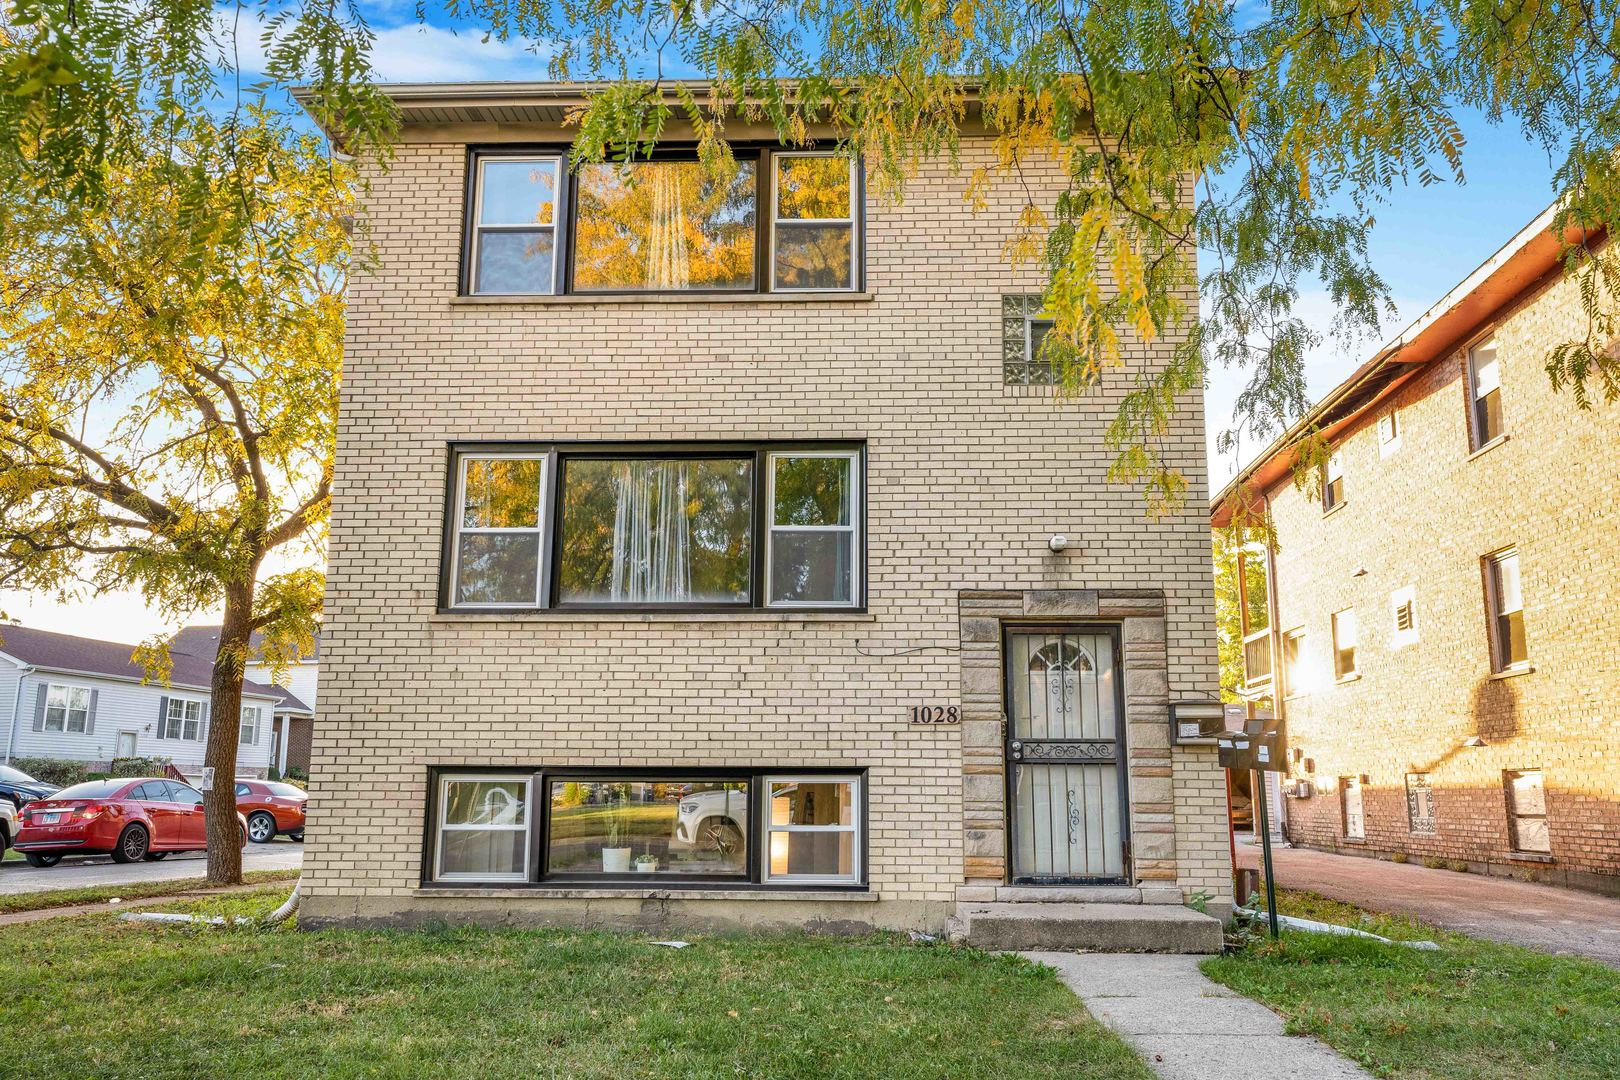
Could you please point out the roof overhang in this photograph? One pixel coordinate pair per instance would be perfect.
(1521, 265)
(530, 104)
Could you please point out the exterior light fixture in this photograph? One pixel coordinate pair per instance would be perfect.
(1058, 543)
(1474, 741)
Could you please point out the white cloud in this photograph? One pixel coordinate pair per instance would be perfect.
(404, 52)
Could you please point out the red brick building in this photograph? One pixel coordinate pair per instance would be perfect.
(1443, 619)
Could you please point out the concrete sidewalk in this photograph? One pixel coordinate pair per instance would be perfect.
(1189, 1028)
(1565, 922)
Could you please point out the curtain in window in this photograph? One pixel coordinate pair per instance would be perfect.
(652, 536)
(667, 264)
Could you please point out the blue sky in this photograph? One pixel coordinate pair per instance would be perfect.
(1425, 241)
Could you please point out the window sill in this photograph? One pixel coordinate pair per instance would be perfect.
(1488, 447)
(1514, 672)
(603, 892)
(808, 296)
(1334, 509)
(1354, 676)
(1530, 857)
(1351, 841)
(451, 617)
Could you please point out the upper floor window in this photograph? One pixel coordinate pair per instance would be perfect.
(1403, 616)
(1293, 660)
(67, 709)
(672, 527)
(1333, 481)
(1485, 392)
(1389, 433)
(1505, 601)
(813, 223)
(1024, 326)
(1344, 643)
(668, 224)
(514, 224)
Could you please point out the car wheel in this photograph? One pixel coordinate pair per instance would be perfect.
(720, 835)
(42, 859)
(132, 845)
(155, 856)
(261, 828)
(241, 840)
(296, 837)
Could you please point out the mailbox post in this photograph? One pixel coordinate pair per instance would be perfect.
(1258, 746)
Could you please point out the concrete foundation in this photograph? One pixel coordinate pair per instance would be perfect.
(1087, 927)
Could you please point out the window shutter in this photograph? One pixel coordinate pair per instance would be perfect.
(202, 728)
(90, 717)
(163, 715)
(39, 707)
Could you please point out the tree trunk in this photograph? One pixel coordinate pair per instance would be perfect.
(224, 731)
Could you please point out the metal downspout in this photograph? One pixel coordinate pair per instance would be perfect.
(16, 704)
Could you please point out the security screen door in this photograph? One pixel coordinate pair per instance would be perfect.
(1066, 757)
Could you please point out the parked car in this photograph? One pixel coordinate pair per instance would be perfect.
(18, 788)
(713, 820)
(272, 809)
(129, 819)
(8, 825)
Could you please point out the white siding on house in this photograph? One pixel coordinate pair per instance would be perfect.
(299, 678)
(122, 707)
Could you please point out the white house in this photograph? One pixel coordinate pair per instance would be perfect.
(293, 718)
(78, 699)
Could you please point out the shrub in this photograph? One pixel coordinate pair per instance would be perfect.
(297, 776)
(1459, 865)
(138, 766)
(1434, 862)
(1399, 856)
(53, 770)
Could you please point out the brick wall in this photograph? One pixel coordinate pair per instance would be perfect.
(967, 480)
(1425, 517)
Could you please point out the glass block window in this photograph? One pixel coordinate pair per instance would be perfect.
(1023, 328)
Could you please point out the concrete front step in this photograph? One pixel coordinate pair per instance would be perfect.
(1084, 927)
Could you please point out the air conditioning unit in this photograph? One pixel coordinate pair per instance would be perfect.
(1299, 789)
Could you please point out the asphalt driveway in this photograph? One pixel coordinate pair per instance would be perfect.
(17, 876)
(1567, 922)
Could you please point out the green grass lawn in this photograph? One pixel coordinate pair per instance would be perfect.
(134, 890)
(1476, 1010)
(93, 996)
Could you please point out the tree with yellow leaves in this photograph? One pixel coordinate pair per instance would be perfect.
(169, 363)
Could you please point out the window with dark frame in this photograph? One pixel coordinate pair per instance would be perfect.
(1504, 599)
(1024, 326)
(1351, 810)
(1344, 643)
(1293, 651)
(666, 526)
(804, 829)
(1485, 393)
(512, 241)
(1526, 793)
(1333, 481)
(775, 221)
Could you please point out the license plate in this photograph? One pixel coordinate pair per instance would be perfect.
(50, 819)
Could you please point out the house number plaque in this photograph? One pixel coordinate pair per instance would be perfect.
(935, 715)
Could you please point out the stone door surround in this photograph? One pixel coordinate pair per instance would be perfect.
(984, 616)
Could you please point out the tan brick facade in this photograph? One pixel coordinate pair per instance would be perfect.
(967, 480)
(1425, 516)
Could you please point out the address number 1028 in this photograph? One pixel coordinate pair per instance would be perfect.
(936, 714)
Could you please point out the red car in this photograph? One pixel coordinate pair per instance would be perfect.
(271, 809)
(129, 819)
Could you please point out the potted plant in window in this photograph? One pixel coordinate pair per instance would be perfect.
(646, 863)
(616, 859)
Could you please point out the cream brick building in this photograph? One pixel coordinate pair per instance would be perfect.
(1446, 615)
(725, 582)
